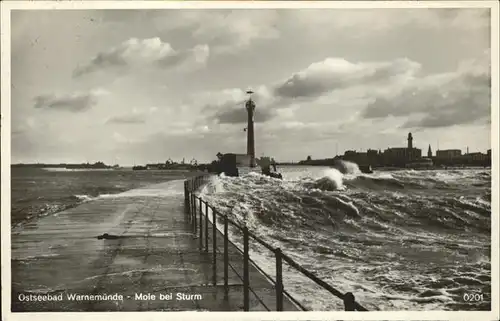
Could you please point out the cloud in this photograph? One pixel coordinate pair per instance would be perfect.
(227, 31)
(136, 116)
(314, 84)
(337, 73)
(230, 31)
(461, 97)
(127, 119)
(228, 106)
(76, 102)
(235, 30)
(360, 23)
(374, 90)
(143, 52)
(239, 116)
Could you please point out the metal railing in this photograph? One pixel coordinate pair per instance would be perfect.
(200, 222)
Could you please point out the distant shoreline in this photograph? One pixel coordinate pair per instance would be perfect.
(124, 168)
(97, 165)
(389, 168)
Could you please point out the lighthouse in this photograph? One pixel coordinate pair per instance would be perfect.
(410, 152)
(410, 141)
(250, 106)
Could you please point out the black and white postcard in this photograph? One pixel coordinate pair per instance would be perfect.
(339, 158)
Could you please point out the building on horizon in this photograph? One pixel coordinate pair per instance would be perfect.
(393, 156)
(448, 153)
(454, 157)
(400, 156)
(407, 157)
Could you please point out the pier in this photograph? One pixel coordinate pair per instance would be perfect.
(166, 255)
(156, 253)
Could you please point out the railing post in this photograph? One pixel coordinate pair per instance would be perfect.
(349, 302)
(201, 225)
(226, 257)
(188, 203)
(246, 278)
(206, 226)
(195, 215)
(279, 280)
(214, 243)
(190, 206)
(186, 195)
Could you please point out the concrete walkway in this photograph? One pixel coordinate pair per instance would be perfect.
(157, 253)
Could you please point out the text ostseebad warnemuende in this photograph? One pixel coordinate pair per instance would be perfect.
(106, 297)
(70, 297)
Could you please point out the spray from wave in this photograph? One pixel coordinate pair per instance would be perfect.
(346, 167)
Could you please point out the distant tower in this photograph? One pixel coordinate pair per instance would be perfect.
(250, 106)
(409, 150)
(410, 141)
(429, 152)
(467, 149)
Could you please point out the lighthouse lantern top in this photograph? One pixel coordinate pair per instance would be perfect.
(250, 105)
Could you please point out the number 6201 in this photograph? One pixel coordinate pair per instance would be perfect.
(473, 297)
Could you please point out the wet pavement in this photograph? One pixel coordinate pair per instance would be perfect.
(155, 264)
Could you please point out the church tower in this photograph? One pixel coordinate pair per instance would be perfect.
(429, 152)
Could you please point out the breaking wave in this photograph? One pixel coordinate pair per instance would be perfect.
(399, 233)
(41, 209)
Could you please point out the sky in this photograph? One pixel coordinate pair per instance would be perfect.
(143, 86)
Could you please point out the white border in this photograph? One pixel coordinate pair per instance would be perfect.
(391, 315)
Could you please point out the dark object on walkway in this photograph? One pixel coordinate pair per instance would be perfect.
(106, 236)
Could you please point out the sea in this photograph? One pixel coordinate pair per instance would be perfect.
(38, 192)
(397, 239)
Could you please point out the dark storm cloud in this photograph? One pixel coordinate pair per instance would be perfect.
(336, 73)
(468, 111)
(228, 106)
(298, 86)
(100, 61)
(453, 99)
(239, 116)
(75, 102)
